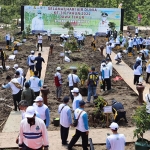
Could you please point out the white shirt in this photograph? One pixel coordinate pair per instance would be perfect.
(8, 37)
(37, 23)
(110, 66)
(139, 58)
(14, 89)
(137, 71)
(48, 33)
(148, 69)
(75, 79)
(76, 101)
(40, 39)
(63, 115)
(38, 131)
(136, 30)
(108, 50)
(118, 55)
(130, 42)
(58, 74)
(34, 84)
(117, 141)
(31, 57)
(21, 80)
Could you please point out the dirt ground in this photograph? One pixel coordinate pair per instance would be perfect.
(121, 91)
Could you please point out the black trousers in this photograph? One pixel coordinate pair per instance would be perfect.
(32, 67)
(147, 77)
(49, 38)
(39, 71)
(8, 42)
(39, 45)
(27, 148)
(108, 82)
(72, 97)
(3, 64)
(136, 79)
(37, 93)
(121, 115)
(64, 134)
(16, 99)
(76, 137)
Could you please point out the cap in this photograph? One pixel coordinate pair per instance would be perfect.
(104, 14)
(17, 73)
(114, 126)
(30, 111)
(103, 64)
(38, 98)
(81, 103)
(75, 90)
(15, 65)
(113, 101)
(58, 68)
(39, 11)
(93, 68)
(66, 99)
(32, 52)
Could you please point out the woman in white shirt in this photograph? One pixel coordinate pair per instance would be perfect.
(148, 72)
(137, 71)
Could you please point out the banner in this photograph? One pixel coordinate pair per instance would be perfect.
(83, 19)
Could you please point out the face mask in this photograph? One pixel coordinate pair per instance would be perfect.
(104, 18)
(31, 121)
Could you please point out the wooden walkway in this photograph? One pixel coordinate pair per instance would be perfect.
(14, 119)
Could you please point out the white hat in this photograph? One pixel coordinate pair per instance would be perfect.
(32, 52)
(38, 98)
(30, 111)
(15, 65)
(75, 90)
(58, 68)
(114, 126)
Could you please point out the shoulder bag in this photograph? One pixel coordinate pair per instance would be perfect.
(76, 120)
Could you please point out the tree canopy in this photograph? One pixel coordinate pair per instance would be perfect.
(11, 9)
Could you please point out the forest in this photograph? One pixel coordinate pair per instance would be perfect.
(11, 9)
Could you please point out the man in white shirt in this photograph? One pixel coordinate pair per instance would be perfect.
(58, 83)
(115, 141)
(73, 81)
(33, 133)
(77, 98)
(40, 39)
(65, 119)
(130, 47)
(110, 66)
(118, 57)
(30, 62)
(49, 35)
(139, 57)
(16, 90)
(42, 109)
(136, 31)
(17, 68)
(7, 39)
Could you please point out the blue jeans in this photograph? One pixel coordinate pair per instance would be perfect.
(91, 92)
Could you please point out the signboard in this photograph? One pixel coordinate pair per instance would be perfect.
(83, 19)
(107, 109)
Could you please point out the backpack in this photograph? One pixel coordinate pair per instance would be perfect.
(93, 78)
(57, 81)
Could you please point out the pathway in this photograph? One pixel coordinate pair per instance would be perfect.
(127, 74)
(98, 137)
(13, 122)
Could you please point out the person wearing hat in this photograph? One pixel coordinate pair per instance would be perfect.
(17, 68)
(77, 98)
(42, 109)
(38, 64)
(39, 41)
(73, 81)
(118, 57)
(137, 71)
(118, 111)
(92, 80)
(33, 133)
(35, 83)
(30, 62)
(82, 128)
(28, 94)
(3, 58)
(16, 90)
(37, 22)
(65, 119)
(115, 141)
(103, 24)
(58, 83)
(106, 77)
